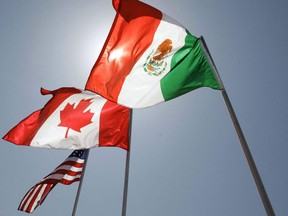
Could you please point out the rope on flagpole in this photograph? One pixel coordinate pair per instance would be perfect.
(261, 189)
(80, 185)
(127, 165)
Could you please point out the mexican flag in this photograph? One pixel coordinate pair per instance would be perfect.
(73, 119)
(148, 58)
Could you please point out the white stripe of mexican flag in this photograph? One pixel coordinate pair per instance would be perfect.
(142, 89)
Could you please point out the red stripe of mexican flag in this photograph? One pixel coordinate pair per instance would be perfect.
(74, 119)
(148, 58)
(131, 34)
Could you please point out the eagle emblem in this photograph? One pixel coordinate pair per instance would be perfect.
(155, 63)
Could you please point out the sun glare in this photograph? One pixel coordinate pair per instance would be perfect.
(115, 54)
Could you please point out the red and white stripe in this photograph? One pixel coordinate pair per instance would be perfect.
(66, 173)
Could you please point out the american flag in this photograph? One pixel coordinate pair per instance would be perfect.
(66, 173)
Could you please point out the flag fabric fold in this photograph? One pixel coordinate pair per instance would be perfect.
(66, 173)
(74, 119)
(148, 58)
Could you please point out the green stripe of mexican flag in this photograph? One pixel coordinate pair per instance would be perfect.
(148, 58)
(192, 72)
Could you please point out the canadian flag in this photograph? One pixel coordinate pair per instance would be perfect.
(73, 119)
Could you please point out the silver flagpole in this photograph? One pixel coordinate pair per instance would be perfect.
(80, 185)
(249, 158)
(125, 192)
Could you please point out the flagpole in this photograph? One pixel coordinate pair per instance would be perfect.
(80, 185)
(127, 165)
(261, 189)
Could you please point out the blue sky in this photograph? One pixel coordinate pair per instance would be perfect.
(185, 155)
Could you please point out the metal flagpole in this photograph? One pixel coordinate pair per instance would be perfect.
(249, 158)
(125, 192)
(80, 185)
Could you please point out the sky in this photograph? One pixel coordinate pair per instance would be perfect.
(186, 158)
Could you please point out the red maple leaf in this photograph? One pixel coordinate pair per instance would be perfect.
(75, 118)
